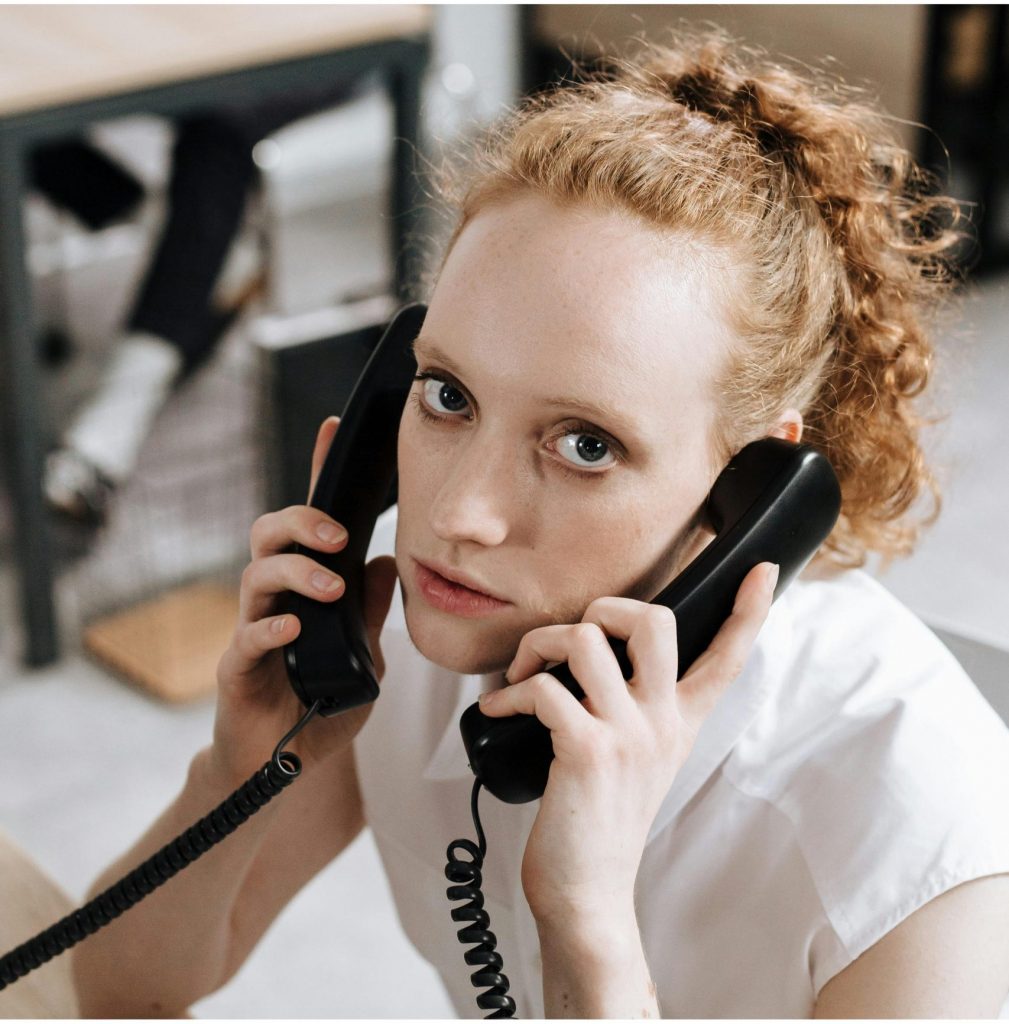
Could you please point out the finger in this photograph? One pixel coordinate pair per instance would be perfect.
(589, 656)
(541, 695)
(650, 633)
(323, 441)
(275, 532)
(709, 677)
(252, 642)
(264, 578)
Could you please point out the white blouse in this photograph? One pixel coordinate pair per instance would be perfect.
(850, 774)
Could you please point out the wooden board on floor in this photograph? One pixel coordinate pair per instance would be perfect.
(170, 645)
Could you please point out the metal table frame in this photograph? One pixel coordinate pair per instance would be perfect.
(400, 63)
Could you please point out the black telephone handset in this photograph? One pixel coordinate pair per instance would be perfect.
(775, 501)
(330, 660)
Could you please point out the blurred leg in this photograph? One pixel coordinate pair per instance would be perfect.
(212, 171)
(173, 325)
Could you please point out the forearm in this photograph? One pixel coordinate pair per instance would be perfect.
(595, 968)
(171, 948)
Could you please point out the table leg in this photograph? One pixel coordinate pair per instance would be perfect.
(22, 440)
(404, 84)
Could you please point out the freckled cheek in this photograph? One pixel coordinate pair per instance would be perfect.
(586, 556)
(419, 462)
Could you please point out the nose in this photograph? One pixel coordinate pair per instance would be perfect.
(478, 496)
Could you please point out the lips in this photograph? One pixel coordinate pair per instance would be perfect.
(461, 578)
(454, 598)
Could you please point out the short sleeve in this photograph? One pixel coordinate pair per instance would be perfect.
(889, 764)
(914, 800)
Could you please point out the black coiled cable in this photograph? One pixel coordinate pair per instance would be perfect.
(466, 874)
(280, 771)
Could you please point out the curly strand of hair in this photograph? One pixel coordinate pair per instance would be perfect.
(863, 419)
(839, 247)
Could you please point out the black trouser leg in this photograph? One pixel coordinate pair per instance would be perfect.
(212, 171)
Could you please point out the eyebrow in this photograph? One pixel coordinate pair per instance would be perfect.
(602, 411)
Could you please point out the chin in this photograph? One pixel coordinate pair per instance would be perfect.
(459, 648)
(448, 649)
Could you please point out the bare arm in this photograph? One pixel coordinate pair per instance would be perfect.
(191, 935)
(187, 938)
(950, 958)
(596, 969)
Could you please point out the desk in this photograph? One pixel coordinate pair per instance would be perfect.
(63, 67)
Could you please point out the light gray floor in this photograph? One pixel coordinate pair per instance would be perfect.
(87, 762)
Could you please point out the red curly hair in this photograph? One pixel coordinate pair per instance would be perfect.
(843, 256)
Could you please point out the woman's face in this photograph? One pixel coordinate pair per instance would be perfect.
(550, 504)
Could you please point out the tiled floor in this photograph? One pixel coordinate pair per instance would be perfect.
(87, 761)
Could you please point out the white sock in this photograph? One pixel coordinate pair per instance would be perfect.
(112, 426)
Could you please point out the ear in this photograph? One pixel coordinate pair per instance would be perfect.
(789, 426)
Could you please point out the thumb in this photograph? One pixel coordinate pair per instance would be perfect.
(380, 578)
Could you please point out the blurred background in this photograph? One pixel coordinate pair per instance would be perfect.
(113, 613)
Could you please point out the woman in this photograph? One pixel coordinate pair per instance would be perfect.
(647, 273)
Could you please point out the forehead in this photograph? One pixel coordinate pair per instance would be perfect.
(539, 295)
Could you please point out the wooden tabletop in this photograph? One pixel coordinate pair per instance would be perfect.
(55, 54)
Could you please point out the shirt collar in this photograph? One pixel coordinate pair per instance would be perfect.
(733, 713)
(449, 760)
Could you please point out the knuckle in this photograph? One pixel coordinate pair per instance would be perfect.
(260, 528)
(599, 605)
(600, 747)
(257, 638)
(662, 616)
(582, 735)
(249, 575)
(539, 684)
(587, 633)
(243, 642)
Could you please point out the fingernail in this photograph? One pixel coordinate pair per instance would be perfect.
(330, 533)
(277, 626)
(486, 698)
(771, 579)
(324, 581)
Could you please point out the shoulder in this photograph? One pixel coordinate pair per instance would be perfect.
(844, 652)
(891, 768)
(950, 958)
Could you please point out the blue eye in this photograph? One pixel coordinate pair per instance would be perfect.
(580, 439)
(435, 390)
(585, 445)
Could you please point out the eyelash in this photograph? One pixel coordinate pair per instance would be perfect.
(576, 428)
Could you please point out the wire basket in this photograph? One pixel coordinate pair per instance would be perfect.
(156, 597)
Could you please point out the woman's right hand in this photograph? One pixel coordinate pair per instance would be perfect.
(255, 703)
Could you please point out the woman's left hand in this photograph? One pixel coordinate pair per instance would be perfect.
(617, 752)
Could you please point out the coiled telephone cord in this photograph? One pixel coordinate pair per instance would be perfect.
(279, 772)
(466, 874)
